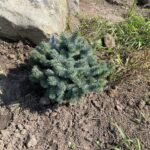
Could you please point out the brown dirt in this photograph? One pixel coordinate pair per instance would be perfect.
(53, 128)
(25, 125)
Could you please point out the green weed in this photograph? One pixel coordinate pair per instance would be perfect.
(133, 33)
(71, 146)
(98, 143)
(141, 117)
(132, 38)
(127, 143)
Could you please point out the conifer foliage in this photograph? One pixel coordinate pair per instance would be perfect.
(67, 69)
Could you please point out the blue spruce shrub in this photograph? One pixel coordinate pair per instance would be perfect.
(67, 69)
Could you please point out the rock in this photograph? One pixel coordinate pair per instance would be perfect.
(44, 101)
(73, 6)
(17, 135)
(10, 147)
(4, 133)
(27, 127)
(19, 45)
(142, 104)
(24, 131)
(32, 20)
(11, 56)
(20, 127)
(131, 102)
(19, 147)
(4, 121)
(31, 141)
(74, 23)
(118, 106)
(2, 52)
(1, 145)
(109, 41)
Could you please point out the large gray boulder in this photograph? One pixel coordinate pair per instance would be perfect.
(34, 20)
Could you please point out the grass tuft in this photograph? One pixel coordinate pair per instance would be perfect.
(132, 36)
(133, 33)
(127, 143)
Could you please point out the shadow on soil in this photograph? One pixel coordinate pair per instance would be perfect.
(17, 89)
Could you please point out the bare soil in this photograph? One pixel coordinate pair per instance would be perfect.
(26, 125)
(54, 127)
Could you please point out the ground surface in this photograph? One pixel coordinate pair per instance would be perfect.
(24, 125)
(113, 12)
(82, 125)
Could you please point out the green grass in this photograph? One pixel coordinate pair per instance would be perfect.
(71, 146)
(132, 38)
(132, 44)
(126, 142)
(133, 33)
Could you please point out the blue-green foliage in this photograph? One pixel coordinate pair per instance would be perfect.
(67, 69)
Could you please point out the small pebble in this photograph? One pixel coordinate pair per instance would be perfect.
(24, 131)
(142, 104)
(31, 141)
(109, 41)
(20, 127)
(1, 145)
(11, 56)
(4, 133)
(118, 106)
(17, 135)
